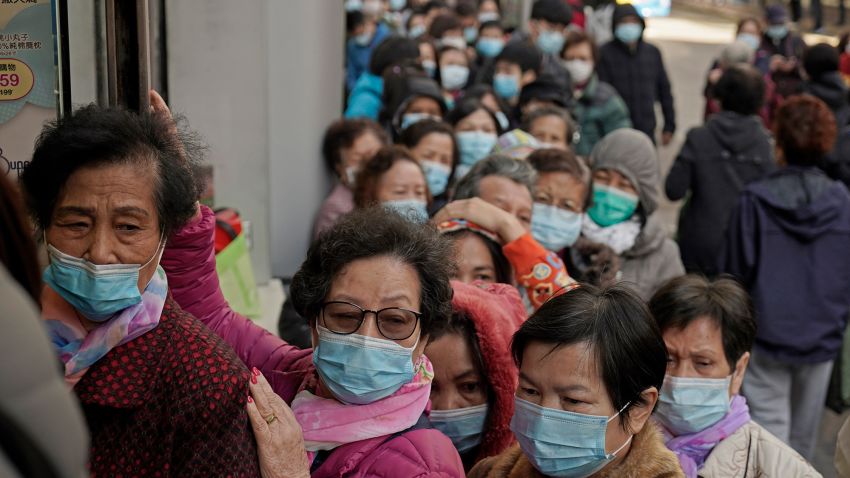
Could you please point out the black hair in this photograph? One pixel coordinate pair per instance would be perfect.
(391, 51)
(480, 90)
(741, 89)
(723, 301)
(433, 5)
(444, 23)
(491, 24)
(17, 249)
(466, 8)
(563, 161)
(625, 342)
(353, 20)
(553, 11)
(501, 267)
(820, 59)
(376, 232)
(93, 137)
(466, 107)
(414, 133)
(522, 53)
(342, 134)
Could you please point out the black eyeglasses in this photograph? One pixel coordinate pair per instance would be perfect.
(345, 318)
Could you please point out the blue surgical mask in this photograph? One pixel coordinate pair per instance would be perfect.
(611, 205)
(628, 32)
(690, 405)
(453, 77)
(416, 31)
(470, 34)
(363, 39)
(753, 41)
(506, 86)
(415, 210)
(96, 291)
(358, 369)
(777, 32)
(488, 17)
(490, 47)
(430, 67)
(474, 146)
(353, 5)
(396, 5)
(437, 175)
(412, 118)
(560, 443)
(550, 42)
(554, 228)
(464, 426)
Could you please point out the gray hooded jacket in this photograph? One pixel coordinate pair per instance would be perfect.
(654, 259)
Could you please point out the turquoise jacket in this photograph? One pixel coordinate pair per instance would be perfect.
(365, 101)
(598, 111)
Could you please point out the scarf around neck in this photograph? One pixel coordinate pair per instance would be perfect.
(328, 423)
(619, 237)
(693, 449)
(78, 348)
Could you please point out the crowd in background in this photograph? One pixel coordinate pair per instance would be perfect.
(490, 291)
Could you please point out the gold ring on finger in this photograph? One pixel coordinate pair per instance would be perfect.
(269, 419)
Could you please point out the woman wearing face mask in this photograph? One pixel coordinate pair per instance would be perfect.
(453, 70)
(591, 362)
(484, 93)
(709, 329)
(626, 183)
(373, 288)
(346, 146)
(433, 144)
(598, 108)
(107, 188)
(476, 129)
(396, 181)
(552, 126)
(409, 97)
(474, 379)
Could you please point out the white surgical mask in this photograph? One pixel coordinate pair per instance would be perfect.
(579, 70)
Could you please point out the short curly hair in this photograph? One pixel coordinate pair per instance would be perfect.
(342, 134)
(805, 130)
(377, 232)
(369, 177)
(94, 136)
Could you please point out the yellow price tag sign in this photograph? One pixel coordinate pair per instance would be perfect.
(16, 79)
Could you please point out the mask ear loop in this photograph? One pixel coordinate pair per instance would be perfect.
(618, 450)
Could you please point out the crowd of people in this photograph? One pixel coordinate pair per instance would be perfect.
(490, 291)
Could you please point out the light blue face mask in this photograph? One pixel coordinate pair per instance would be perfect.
(550, 42)
(430, 68)
(413, 118)
(416, 31)
(560, 443)
(437, 175)
(413, 210)
(474, 146)
(464, 426)
(363, 39)
(353, 5)
(554, 228)
(470, 34)
(453, 77)
(96, 291)
(358, 369)
(506, 86)
(690, 405)
(490, 47)
(628, 32)
(777, 32)
(397, 5)
(752, 41)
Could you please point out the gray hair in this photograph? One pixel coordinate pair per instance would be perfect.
(516, 170)
(571, 134)
(736, 53)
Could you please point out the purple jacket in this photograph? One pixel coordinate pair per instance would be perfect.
(189, 262)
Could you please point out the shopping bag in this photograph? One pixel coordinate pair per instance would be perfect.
(236, 276)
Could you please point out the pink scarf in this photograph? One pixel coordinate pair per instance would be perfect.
(693, 449)
(328, 423)
(78, 348)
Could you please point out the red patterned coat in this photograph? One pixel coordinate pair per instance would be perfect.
(169, 403)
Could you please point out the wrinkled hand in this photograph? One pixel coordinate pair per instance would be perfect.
(490, 217)
(777, 62)
(280, 443)
(666, 138)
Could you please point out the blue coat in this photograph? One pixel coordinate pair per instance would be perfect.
(365, 100)
(357, 57)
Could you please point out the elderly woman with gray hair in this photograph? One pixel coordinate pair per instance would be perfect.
(626, 182)
(497, 195)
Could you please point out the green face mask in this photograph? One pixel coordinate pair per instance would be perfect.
(611, 205)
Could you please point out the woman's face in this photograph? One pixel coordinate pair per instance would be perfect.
(453, 57)
(551, 130)
(614, 179)
(751, 28)
(579, 51)
(376, 283)
(426, 52)
(568, 378)
(436, 147)
(507, 195)
(488, 6)
(474, 260)
(424, 105)
(696, 351)
(561, 190)
(361, 150)
(404, 180)
(479, 120)
(457, 382)
(107, 215)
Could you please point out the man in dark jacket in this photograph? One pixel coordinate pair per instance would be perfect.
(780, 52)
(787, 243)
(636, 70)
(717, 160)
